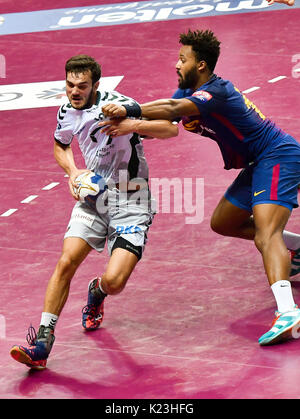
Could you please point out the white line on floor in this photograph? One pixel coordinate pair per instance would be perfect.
(29, 199)
(277, 79)
(50, 186)
(252, 89)
(9, 212)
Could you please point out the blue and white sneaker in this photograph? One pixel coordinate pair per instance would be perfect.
(39, 349)
(295, 262)
(285, 326)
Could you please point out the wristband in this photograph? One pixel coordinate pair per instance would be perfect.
(133, 110)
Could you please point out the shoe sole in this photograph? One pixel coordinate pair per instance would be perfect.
(91, 329)
(288, 334)
(21, 356)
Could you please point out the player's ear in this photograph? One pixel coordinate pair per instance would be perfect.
(201, 65)
(96, 85)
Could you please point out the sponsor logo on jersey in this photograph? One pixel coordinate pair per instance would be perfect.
(191, 125)
(202, 95)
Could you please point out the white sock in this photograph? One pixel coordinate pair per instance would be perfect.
(282, 291)
(100, 288)
(291, 240)
(48, 320)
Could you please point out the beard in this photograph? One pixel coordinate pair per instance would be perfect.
(190, 80)
(87, 104)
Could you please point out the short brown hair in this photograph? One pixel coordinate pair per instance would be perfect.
(82, 64)
(204, 44)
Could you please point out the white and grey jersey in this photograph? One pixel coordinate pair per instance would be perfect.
(102, 154)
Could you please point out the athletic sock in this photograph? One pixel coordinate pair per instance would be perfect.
(291, 240)
(282, 291)
(101, 289)
(49, 320)
(98, 291)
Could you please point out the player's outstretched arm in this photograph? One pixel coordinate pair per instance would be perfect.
(288, 2)
(155, 129)
(169, 109)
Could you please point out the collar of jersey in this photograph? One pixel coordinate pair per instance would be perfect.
(98, 98)
(212, 79)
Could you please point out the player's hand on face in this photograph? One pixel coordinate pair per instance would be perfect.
(72, 181)
(114, 111)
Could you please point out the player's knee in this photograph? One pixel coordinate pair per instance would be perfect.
(66, 266)
(259, 241)
(263, 239)
(218, 227)
(113, 283)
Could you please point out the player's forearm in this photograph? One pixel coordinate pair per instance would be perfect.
(169, 109)
(160, 109)
(64, 157)
(157, 129)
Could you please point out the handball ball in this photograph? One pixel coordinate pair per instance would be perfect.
(89, 187)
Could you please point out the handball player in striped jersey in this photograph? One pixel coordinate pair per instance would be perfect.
(121, 219)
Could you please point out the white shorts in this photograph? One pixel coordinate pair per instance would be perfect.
(122, 215)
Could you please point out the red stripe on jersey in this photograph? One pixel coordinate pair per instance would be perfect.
(274, 184)
(228, 125)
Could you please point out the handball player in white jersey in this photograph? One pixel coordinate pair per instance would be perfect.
(123, 216)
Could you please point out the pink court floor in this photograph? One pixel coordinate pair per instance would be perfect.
(187, 324)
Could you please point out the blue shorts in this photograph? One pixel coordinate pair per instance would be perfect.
(270, 181)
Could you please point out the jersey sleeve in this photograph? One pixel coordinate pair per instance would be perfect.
(205, 101)
(180, 94)
(116, 97)
(63, 133)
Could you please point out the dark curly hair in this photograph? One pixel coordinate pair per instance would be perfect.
(82, 64)
(204, 44)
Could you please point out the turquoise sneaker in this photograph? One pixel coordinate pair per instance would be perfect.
(285, 326)
(295, 262)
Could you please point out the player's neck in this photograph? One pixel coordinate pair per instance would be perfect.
(203, 78)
